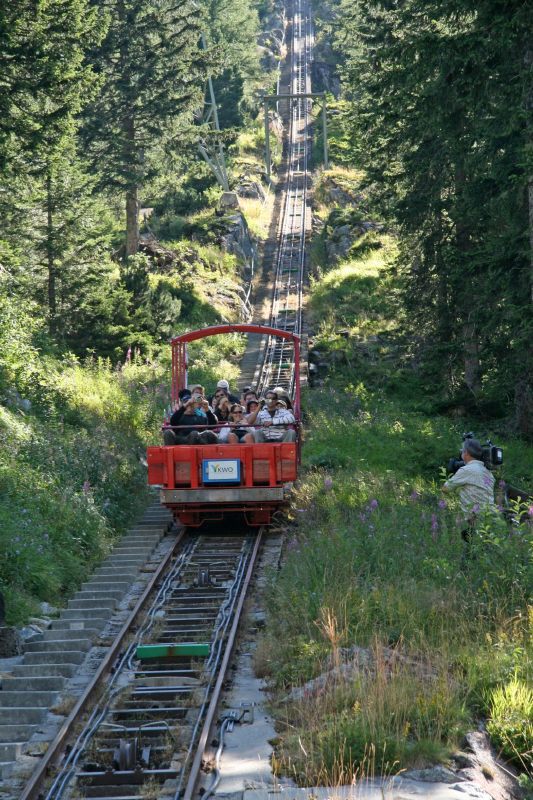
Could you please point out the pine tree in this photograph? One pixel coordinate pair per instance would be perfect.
(439, 93)
(153, 73)
(44, 77)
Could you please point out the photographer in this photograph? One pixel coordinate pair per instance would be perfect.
(474, 483)
(192, 412)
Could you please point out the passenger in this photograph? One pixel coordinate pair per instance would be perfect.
(253, 408)
(249, 395)
(282, 394)
(221, 407)
(239, 435)
(273, 421)
(192, 411)
(223, 384)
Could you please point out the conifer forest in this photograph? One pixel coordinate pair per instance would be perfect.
(136, 204)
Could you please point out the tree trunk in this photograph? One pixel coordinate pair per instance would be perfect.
(50, 260)
(524, 386)
(471, 357)
(472, 367)
(132, 221)
(132, 200)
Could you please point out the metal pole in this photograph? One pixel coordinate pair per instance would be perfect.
(325, 132)
(267, 141)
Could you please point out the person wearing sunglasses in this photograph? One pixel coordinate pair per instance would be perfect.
(238, 434)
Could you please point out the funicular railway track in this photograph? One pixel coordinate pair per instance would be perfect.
(141, 728)
(278, 366)
(146, 733)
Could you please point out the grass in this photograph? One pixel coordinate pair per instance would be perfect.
(374, 561)
(72, 447)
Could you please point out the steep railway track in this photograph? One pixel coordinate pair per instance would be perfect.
(278, 364)
(140, 728)
(148, 726)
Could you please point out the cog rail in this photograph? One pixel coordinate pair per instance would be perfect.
(153, 704)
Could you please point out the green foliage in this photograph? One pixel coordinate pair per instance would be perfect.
(71, 475)
(511, 720)
(437, 122)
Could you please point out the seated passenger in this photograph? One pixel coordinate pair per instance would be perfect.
(273, 421)
(223, 384)
(221, 407)
(239, 435)
(192, 412)
(249, 395)
(282, 395)
(253, 408)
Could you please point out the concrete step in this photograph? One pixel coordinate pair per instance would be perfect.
(104, 573)
(141, 538)
(102, 584)
(38, 670)
(6, 770)
(10, 751)
(28, 699)
(78, 625)
(66, 635)
(101, 602)
(43, 657)
(124, 560)
(79, 614)
(131, 548)
(95, 594)
(19, 715)
(49, 683)
(17, 733)
(55, 645)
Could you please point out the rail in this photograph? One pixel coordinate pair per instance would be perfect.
(279, 362)
(154, 702)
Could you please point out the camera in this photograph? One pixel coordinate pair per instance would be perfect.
(492, 455)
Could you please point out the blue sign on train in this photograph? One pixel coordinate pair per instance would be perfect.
(221, 470)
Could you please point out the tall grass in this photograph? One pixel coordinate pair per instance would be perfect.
(386, 639)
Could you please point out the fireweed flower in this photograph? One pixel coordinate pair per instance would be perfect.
(442, 504)
(487, 480)
(373, 505)
(475, 508)
(328, 483)
(530, 511)
(414, 496)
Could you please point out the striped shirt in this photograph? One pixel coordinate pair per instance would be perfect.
(282, 417)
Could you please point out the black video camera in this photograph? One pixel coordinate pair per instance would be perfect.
(492, 455)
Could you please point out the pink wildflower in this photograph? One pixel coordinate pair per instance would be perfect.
(328, 483)
(530, 511)
(443, 504)
(434, 526)
(414, 496)
(373, 505)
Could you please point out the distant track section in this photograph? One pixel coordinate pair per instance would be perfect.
(278, 368)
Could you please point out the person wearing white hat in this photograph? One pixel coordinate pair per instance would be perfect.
(224, 384)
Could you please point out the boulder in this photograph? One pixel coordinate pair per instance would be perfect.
(228, 202)
(10, 642)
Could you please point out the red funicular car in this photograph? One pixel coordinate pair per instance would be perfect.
(205, 482)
